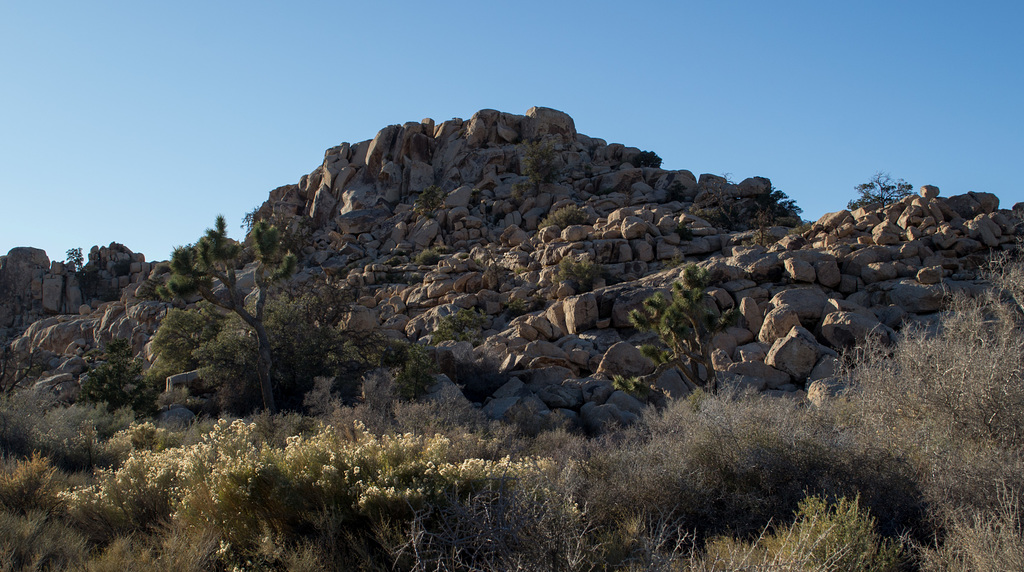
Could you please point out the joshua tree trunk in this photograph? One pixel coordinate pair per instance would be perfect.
(263, 367)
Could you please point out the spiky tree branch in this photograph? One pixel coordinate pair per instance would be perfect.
(685, 325)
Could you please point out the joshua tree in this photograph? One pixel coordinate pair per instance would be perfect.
(685, 325)
(216, 257)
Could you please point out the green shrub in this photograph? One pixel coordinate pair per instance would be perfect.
(581, 271)
(430, 256)
(412, 366)
(118, 382)
(520, 306)
(429, 200)
(723, 217)
(565, 216)
(825, 536)
(462, 326)
(647, 159)
(676, 192)
(540, 162)
(227, 363)
(180, 334)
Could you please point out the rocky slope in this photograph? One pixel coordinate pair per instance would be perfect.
(803, 297)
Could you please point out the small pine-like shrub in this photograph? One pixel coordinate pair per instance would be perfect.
(118, 382)
(430, 199)
(540, 162)
(565, 216)
(413, 368)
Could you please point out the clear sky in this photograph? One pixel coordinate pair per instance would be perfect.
(139, 122)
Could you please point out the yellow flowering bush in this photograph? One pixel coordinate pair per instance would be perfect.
(233, 483)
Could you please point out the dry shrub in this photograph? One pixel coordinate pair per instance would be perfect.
(33, 542)
(29, 485)
(508, 527)
(733, 464)
(966, 382)
(953, 402)
(826, 536)
(986, 542)
(72, 437)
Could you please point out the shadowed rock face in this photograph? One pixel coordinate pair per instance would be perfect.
(18, 270)
(523, 252)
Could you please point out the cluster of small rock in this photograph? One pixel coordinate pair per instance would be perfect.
(851, 276)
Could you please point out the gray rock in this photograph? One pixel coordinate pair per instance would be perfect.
(918, 298)
(597, 418)
(772, 377)
(728, 381)
(673, 384)
(561, 396)
(498, 408)
(580, 312)
(186, 379)
(795, 354)
(626, 402)
(848, 329)
(624, 359)
(177, 417)
(808, 303)
(513, 388)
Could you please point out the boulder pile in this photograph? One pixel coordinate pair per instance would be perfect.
(555, 264)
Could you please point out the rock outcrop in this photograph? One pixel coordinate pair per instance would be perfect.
(850, 277)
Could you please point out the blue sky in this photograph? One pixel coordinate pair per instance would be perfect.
(139, 122)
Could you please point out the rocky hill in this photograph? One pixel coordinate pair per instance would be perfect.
(553, 237)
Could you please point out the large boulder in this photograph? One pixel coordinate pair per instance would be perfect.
(581, 313)
(917, 298)
(848, 329)
(777, 324)
(625, 359)
(773, 378)
(543, 121)
(360, 221)
(808, 304)
(795, 354)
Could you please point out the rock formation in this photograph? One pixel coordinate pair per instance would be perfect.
(803, 297)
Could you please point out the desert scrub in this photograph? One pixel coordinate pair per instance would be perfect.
(430, 256)
(29, 485)
(565, 216)
(462, 326)
(579, 270)
(241, 488)
(825, 536)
